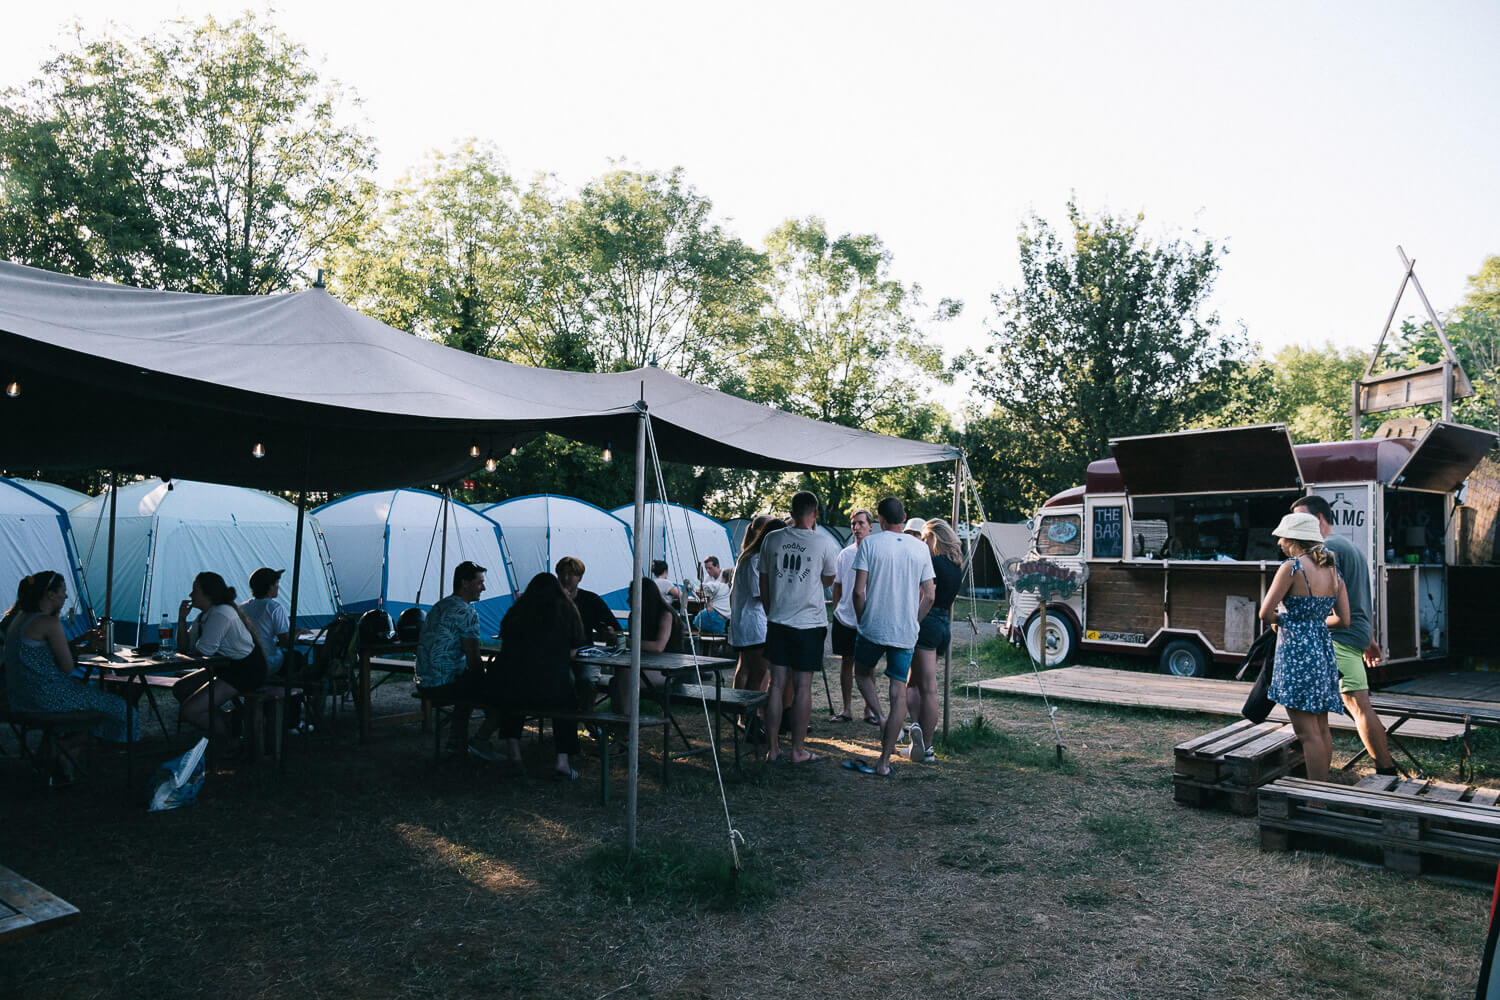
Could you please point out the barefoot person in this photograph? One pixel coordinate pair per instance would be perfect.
(1354, 647)
(1305, 599)
(893, 591)
(846, 623)
(796, 563)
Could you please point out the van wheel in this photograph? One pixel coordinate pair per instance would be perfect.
(1062, 639)
(1184, 658)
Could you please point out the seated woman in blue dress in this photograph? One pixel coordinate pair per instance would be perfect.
(1305, 599)
(38, 662)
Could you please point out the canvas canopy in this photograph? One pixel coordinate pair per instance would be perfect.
(539, 530)
(35, 536)
(388, 552)
(175, 384)
(166, 534)
(673, 531)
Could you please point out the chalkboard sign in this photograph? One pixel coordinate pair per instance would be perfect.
(1109, 532)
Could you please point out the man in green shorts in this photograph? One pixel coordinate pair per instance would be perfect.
(1354, 647)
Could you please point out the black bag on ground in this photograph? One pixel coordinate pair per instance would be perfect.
(1258, 704)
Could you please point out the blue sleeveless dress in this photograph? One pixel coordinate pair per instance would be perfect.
(1305, 675)
(34, 684)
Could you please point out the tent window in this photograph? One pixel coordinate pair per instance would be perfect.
(1060, 535)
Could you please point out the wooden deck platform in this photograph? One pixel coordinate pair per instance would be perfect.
(1467, 685)
(1179, 694)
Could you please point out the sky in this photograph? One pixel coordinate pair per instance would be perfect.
(1308, 139)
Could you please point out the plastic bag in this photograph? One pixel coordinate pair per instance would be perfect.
(177, 782)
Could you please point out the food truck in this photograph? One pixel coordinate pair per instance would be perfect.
(1171, 539)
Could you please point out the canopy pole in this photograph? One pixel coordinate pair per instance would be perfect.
(291, 633)
(443, 548)
(109, 569)
(633, 690)
(958, 485)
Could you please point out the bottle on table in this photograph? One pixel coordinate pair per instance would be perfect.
(166, 637)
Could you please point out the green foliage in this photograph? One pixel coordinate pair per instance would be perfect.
(1107, 335)
(674, 875)
(208, 158)
(1310, 390)
(1473, 328)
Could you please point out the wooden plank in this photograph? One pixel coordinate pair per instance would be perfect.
(1446, 791)
(1485, 796)
(1097, 685)
(30, 907)
(1375, 782)
(1207, 738)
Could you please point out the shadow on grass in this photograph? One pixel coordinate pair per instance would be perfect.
(679, 874)
(980, 741)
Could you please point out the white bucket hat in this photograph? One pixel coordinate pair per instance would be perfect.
(1299, 528)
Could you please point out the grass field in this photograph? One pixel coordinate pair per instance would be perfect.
(997, 872)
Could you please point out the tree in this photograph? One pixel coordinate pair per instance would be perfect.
(840, 343)
(667, 284)
(210, 158)
(1308, 389)
(1107, 335)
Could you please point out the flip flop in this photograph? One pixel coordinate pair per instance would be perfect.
(811, 758)
(841, 717)
(874, 722)
(864, 768)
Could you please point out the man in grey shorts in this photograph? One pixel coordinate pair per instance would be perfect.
(1354, 648)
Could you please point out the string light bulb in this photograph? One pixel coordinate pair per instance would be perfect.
(514, 449)
(489, 463)
(473, 449)
(609, 455)
(259, 451)
(13, 390)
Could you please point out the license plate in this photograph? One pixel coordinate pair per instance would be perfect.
(1132, 637)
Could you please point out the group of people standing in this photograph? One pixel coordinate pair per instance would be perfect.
(892, 594)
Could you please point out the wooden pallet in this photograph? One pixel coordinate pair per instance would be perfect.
(1227, 766)
(1410, 825)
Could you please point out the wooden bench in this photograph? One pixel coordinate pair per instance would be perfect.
(1228, 766)
(1458, 711)
(729, 701)
(26, 907)
(1413, 826)
(605, 726)
(49, 724)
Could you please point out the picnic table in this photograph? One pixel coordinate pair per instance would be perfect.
(1406, 707)
(678, 670)
(26, 907)
(137, 674)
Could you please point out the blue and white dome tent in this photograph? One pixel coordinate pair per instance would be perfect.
(35, 536)
(673, 532)
(387, 547)
(541, 529)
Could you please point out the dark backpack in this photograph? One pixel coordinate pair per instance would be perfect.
(337, 657)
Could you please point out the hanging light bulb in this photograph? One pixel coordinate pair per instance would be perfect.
(13, 390)
(609, 455)
(259, 451)
(473, 449)
(489, 463)
(514, 449)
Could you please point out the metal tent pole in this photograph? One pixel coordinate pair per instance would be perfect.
(109, 569)
(958, 485)
(443, 549)
(633, 695)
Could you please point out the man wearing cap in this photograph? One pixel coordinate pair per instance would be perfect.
(448, 664)
(1354, 647)
(269, 616)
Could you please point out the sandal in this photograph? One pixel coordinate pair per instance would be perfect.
(841, 717)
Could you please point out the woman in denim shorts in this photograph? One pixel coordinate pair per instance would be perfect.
(922, 701)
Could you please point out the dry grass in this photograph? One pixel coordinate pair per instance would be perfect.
(995, 873)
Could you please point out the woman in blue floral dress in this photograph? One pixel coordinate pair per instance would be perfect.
(1305, 599)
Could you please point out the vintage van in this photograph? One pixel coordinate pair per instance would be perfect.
(1174, 533)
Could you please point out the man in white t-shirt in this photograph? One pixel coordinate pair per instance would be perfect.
(796, 563)
(846, 623)
(268, 615)
(714, 592)
(894, 587)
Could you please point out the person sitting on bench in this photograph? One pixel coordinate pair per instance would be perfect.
(219, 630)
(38, 663)
(537, 638)
(448, 665)
(598, 621)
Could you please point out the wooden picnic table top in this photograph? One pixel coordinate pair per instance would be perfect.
(665, 662)
(26, 907)
(1438, 709)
